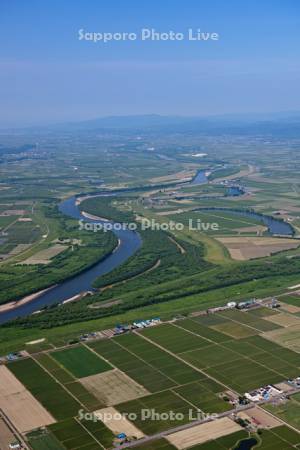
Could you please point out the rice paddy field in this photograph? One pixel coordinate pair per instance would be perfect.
(184, 367)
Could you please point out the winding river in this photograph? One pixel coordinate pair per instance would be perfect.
(129, 243)
(276, 227)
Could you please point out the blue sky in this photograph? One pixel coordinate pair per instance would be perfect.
(47, 75)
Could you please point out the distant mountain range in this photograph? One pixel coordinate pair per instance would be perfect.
(156, 120)
(281, 123)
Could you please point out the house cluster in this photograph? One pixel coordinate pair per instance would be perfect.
(247, 304)
(265, 393)
(120, 329)
(244, 305)
(295, 383)
(15, 446)
(12, 357)
(229, 305)
(97, 335)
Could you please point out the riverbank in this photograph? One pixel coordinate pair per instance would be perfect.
(23, 301)
(93, 217)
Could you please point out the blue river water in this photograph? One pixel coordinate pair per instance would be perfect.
(275, 226)
(129, 243)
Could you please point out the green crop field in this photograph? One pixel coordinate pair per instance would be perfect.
(81, 362)
(242, 364)
(161, 403)
(74, 387)
(291, 299)
(73, 434)
(223, 443)
(47, 391)
(44, 440)
(167, 364)
(279, 438)
(247, 319)
(198, 326)
(160, 444)
(204, 395)
(175, 363)
(175, 339)
(236, 330)
(133, 366)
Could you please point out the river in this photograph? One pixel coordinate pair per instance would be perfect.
(129, 243)
(276, 227)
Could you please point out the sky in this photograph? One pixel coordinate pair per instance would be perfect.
(48, 75)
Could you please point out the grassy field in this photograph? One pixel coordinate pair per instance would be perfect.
(279, 438)
(289, 412)
(44, 440)
(14, 337)
(291, 299)
(81, 362)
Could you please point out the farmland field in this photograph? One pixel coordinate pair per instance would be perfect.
(175, 340)
(70, 383)
(235, 330)
(224, 442)
(44, 441)
(166, 374)
(47, 391)
(162, 403)
(81, 362)
(289, 411)
(113, 387)
(73, 434)
(146, 375)
(160, 444)
(250, 320)
(280, 438)
(204, 432)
